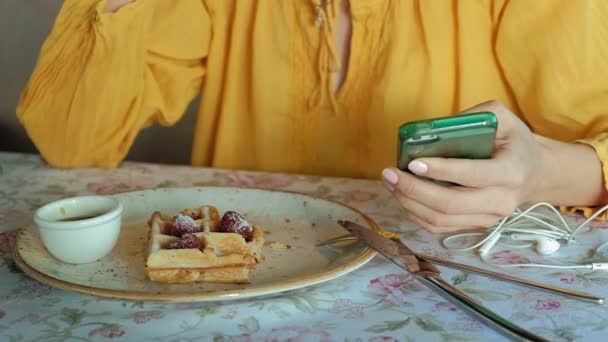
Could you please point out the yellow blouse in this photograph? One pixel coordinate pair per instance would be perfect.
(265, 69)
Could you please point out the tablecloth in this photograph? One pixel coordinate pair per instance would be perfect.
(377, 302)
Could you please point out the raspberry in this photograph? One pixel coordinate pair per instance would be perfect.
(187, 241)
(183, 224)
(233, 222)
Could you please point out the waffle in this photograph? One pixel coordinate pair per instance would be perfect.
(220, 257)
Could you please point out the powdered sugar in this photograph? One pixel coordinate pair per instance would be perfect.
(187, 241)
(233, 222)
(183, 224)
(184, 221)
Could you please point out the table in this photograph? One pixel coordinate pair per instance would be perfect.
(378, 302)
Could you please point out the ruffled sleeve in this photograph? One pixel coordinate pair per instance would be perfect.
(102, 77)
(553, 55)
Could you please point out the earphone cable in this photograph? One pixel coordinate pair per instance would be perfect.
(528, 222)
(586, 222)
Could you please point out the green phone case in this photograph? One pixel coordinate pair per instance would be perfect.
(470, 136)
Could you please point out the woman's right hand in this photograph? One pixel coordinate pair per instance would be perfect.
(114, 5)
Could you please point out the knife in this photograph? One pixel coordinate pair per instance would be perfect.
(484, 272)
(427, 273)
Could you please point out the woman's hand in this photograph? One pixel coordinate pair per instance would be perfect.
(524, 168)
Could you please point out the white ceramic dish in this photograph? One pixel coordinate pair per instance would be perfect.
(295, 219)
(80, 230)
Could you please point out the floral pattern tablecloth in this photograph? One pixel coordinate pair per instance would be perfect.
(378, 302)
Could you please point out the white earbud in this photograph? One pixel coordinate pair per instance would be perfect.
(544, 245)
(485, 248)
(542, 229)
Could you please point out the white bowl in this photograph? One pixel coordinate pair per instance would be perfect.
(81, 229)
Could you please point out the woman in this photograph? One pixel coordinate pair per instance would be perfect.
(320, 86)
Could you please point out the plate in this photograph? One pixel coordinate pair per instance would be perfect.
(291, 218)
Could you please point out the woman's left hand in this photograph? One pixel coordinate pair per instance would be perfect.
(488, 189)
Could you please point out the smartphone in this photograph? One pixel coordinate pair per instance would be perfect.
(470, 136)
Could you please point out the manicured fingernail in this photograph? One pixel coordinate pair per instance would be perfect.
(390, 176)
(418, 167)
(389, 186)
